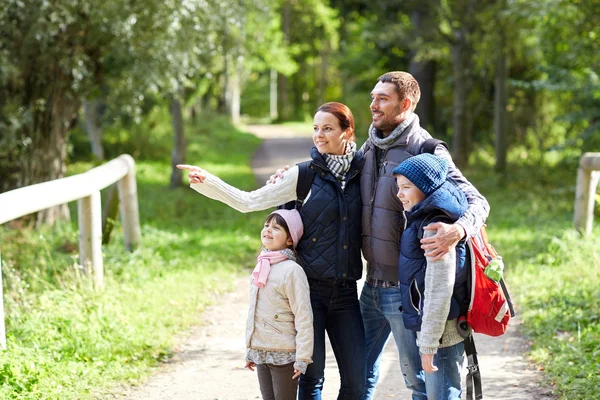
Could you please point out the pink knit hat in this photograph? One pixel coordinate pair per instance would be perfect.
(294, 223)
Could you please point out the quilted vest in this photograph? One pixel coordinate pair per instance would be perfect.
(447, 204)
(382, 213)
(331, 244)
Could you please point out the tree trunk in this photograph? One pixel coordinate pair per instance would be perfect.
(424, 73)
(93, 126)
(179, 143)
(423, 70)
(500, 115)
(273, 95)
(461, 136)
(282, 84)
(323, 74)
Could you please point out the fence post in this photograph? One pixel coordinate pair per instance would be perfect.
(90, 235)
(128, 207)
(2, 327)
(588, 176)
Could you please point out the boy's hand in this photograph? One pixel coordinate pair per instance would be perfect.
(196, 175)
(444, 241)
(250, 365)
(278, 174)
(296, 374)
(427, 363)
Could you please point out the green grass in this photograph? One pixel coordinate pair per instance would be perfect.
(553, 273)
(68, 341)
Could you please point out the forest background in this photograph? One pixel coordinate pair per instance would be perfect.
(512, 85)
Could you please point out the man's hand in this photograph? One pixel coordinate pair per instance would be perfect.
(250, 365)
(278, 174)
(196, 175)
(427, 363)
(445, 239)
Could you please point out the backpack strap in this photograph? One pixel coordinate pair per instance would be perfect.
(435, 216)
(507, 296)
(429, 145)
(306, 175)
(473, 375)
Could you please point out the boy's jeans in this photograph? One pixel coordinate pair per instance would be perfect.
(381, 314)
(444, 384)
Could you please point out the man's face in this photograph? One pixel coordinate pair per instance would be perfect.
(387, 109)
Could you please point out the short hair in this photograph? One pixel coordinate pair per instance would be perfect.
(406, 85)
(343, 114)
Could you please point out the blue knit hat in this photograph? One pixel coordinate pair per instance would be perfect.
(426, 171)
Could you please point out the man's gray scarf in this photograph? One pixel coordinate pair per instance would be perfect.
(384, 143)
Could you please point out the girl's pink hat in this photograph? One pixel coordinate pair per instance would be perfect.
(294, 223)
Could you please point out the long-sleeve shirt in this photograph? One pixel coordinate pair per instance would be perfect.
(439, 283)
(270, 195)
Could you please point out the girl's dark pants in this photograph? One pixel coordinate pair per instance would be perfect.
(276, 381)
(336, 310)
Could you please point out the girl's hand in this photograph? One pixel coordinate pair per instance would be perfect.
(427, 362)
(196, 175)
(296, 374)
(250, 365)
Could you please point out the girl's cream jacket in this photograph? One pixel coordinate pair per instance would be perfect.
(280, 316)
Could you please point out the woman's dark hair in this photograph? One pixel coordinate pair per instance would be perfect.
(343, 114)
(281, 222)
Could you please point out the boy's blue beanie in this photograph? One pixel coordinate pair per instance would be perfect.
(426, 171)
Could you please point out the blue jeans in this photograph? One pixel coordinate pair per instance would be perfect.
(444, 384)
(336, 310)
(382, 315)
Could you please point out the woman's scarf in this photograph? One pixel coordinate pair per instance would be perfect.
(263, 267)
(340, 165)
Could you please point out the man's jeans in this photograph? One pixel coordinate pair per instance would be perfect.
(336, 310)
(444, 384)
(381, 314)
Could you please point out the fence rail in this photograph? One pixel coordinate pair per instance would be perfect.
(588, 177)
(85, 188)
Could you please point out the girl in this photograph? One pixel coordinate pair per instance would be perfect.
(279, 331)
(329, 250)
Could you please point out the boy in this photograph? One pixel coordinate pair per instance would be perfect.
(433, 292)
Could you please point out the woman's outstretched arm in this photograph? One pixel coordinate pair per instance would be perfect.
(266, 197)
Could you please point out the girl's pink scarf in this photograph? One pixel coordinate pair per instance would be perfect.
(263, 267)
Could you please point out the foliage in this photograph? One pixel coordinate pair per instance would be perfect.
(67, 341)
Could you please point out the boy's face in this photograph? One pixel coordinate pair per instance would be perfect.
(408, 194)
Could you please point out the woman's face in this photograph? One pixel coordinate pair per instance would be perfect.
(328, 136)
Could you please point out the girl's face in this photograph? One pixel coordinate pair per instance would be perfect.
(274, 237)
(408, 194)
(328, 136)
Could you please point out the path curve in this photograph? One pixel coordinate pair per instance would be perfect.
(209, 363)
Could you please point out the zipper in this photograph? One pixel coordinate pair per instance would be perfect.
(266, 324)
(412, 303)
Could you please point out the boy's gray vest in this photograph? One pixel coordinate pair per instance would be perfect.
(330, 245)
(382, 218)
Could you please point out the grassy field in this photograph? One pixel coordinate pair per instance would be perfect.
(67, 341)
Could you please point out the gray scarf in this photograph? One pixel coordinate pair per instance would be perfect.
(385, 143)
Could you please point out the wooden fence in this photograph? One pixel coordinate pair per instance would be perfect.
(588, 177)
(85, 188)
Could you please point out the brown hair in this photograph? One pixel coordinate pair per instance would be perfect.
(406, 85)
(343, 114)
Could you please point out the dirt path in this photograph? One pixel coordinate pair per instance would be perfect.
(209, 365)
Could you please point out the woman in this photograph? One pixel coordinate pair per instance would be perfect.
(329, 250)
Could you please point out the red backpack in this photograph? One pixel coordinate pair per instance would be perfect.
(490, 307)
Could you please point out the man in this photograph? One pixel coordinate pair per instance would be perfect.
(395, 135)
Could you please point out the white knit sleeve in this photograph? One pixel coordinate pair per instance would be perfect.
(268, 196)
